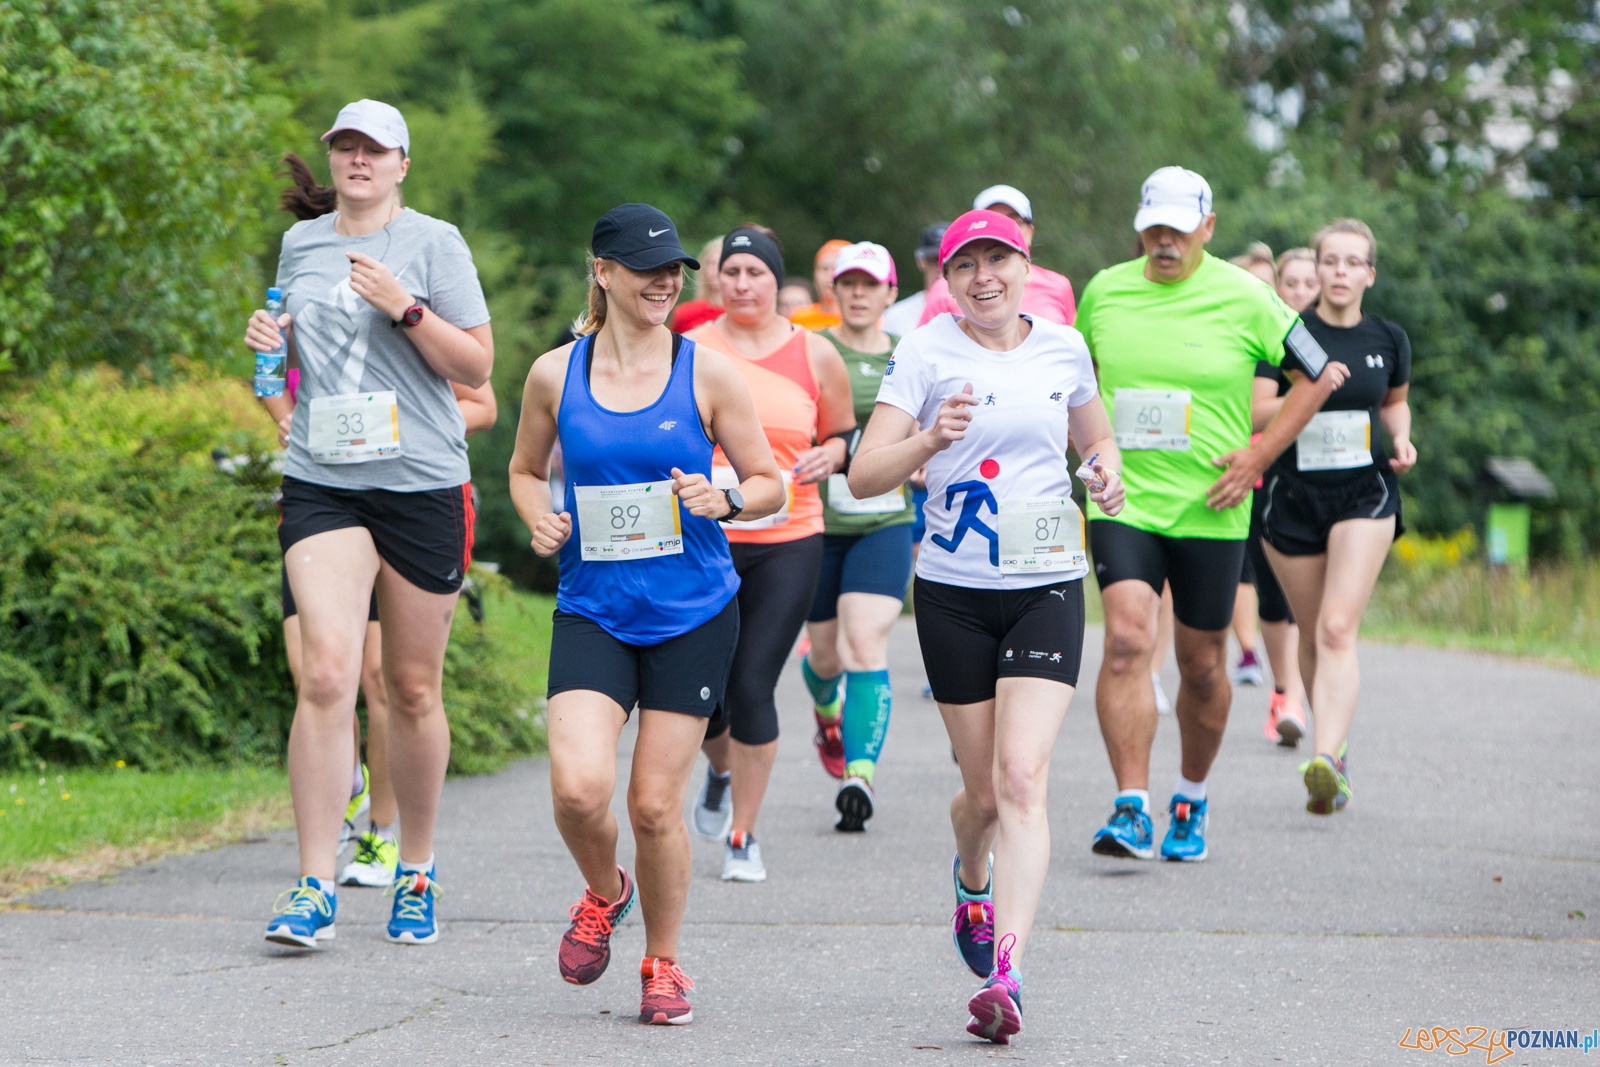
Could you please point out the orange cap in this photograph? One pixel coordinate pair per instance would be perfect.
(831, 247)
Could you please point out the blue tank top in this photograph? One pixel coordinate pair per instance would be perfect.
(641, 601)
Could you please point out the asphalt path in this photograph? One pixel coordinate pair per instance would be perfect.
(1460, 889)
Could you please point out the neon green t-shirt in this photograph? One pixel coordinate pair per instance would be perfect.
(1154, 342)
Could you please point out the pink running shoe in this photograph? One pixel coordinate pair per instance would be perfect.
(586, 946)
(663, 1002)
(829, 740)
(1291, 721)
(997, 1007)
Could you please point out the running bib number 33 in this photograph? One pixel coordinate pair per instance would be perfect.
(1039, 535)
(1152, 419)
(1335, 441)
(625, 522)
(354, 428)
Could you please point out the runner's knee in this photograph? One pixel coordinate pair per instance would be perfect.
(654, 811)
(1129, 645)
(1336, 631)
(581, 796)
(1021, 784)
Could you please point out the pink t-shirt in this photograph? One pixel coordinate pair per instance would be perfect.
(1048, 295)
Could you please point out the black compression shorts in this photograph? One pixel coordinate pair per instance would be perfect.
(1272, 605)
(1299, 513)
(425, 536)
(971, 638)
(777, 584)
(687, 673)
(1204, 572)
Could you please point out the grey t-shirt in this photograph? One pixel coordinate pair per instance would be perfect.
(348, 346)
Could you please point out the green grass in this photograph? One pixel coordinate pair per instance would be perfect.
(63, 823)
(522, 621)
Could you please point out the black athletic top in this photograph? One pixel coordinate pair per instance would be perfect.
(1378, 354)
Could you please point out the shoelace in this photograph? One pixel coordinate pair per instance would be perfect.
(979, 920)
(666, 980)
(303, 900)
(591, 919)
(411, 892)
(1002, 961)
(1126, 815)
(367, 848)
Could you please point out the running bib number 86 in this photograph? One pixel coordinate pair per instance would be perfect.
(1335, 441)
(1041, 534)
(625, 522)
(1152, 419)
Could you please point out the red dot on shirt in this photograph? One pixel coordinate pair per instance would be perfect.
(989, 469)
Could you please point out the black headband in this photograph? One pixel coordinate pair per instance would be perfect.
(757, 244)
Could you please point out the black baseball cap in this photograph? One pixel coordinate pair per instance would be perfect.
(639, 237)
(928, 244)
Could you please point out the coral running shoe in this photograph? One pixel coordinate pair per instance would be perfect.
(1290, 720)
(586, 946)
(1328, 783)
(997, 1007)
(663, 1003)
(829, 739)
(972, 925)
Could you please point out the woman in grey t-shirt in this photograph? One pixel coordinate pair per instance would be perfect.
(384, 312)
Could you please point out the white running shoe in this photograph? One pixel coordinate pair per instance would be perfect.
(713, 812)
(1163, 705)
(741, 859)
(1248, 670)
(374, 863)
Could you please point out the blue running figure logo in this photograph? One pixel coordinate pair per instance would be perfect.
(978, 495)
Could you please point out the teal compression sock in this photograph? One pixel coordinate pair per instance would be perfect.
(866, 715)
(824, 691)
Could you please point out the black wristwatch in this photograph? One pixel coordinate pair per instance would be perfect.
(735, 501)
(412, 316)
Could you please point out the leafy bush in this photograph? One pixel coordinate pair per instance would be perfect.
(140, 612)
(132, 180)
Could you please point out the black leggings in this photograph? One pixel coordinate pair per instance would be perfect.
(1273, 605)
(776, 586)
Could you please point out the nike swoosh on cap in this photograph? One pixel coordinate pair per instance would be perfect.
(658, 233)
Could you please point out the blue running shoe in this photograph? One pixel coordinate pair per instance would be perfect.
(307, 917)
(413, 922)
(1130, 834)
(1186, 835)
(972, 926)
(997, 1007)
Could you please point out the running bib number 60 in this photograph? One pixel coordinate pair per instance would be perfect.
(354, 428)
(626, 522)
(1152, 419)
(1041, 534)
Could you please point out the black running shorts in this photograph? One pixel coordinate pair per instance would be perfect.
(1204, 572)
(425, 536)
(687, 673)
(290, 611)
(776, 586)
(1300, 514)
(971, 638)
(1271, 604)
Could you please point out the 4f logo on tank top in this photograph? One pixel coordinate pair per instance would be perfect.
(668, 424)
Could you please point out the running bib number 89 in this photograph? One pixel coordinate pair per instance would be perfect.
(1152, 419)
(625, 522)
(1041, 534)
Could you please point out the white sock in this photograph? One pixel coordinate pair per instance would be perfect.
(1190, 790)
(1143, 796)
(416, 868)
(387, 832)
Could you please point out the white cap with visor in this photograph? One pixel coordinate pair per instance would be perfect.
(379, 121)
(1174, 197)
(1009, 195)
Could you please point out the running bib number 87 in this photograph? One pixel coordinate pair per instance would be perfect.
(625, 522)
(1041, 534)
(1152, 419)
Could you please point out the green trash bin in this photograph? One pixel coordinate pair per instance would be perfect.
(1508, 534)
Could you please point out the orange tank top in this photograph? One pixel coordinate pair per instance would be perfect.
(785, 391)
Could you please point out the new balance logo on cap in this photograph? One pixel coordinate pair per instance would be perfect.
(979, 225)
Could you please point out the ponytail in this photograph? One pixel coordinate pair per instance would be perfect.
(305, 199)
(594, 316)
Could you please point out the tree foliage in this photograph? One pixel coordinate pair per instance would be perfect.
(131, 181)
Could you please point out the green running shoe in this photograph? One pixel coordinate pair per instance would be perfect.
(374, 862)
(1327, 782)
(359, 805)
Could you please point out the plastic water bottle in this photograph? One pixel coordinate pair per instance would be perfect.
(270, 366)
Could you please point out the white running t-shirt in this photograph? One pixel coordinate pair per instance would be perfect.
(1015, 448)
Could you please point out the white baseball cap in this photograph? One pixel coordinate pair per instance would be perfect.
(1009, 195)
(870, 259)
(1173, 197)
(379, 121)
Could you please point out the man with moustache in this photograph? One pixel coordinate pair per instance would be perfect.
(1176, 335)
